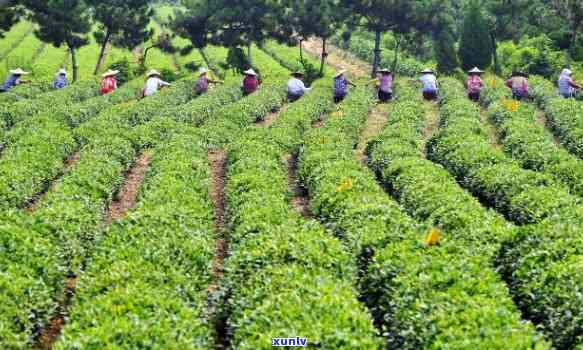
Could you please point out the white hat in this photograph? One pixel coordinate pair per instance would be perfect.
(202, 71)
(427, 71)
(341, 72)
(62, 71)
(110, 73)
(18, 71)
(384, 70)
(153, 72)
(566, 71)
(476, 70)
(250, 72)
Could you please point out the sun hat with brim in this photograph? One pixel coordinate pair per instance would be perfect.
(153, 72)
(202, 71)
(62, 72)
(476, 70)
(297, 73)
(110, 73)
(427, 71)
(384, 70)
(18, 71)
(566, 71)
(250, 72)
(339, 73)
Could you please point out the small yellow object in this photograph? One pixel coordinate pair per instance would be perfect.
(338, 114)
(432, 237)
(346, 185)
(493, 82)
(511, 105)
(323, 140)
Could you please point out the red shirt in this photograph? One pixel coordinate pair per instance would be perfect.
(108, 84)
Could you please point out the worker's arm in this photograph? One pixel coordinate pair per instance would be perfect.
(575, 85)
(351, 83)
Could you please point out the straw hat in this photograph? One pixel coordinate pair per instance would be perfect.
(296, 73)
(566, 71)
(250, 72)
(427, 71)
(62, 72)
(476, 70)
(341, 72)
(110, 73)
(18, 71)
(153, 72)
(202, 71)
(384, 70)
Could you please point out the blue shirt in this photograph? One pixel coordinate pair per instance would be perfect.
(429, 82)
(11, 82)
(60, 82)
(340, 86)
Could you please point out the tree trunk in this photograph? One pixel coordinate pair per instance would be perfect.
(249, 54)
(574, 42)
(102, 52)
(495, 54)
(74, 63)
(302, 50)
(145, 56)
(324, 55)
(377, 54)
(396, 54)
(205, 57)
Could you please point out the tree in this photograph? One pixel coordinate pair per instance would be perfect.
(230, 23)
(124, 23)
(506, 21)
(313, 18)
(9, 15)
(61, 22)
(475, 44)
(163, 42)
(445, 54)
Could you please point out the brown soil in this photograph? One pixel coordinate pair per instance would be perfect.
(492, 134)
(270, 118)
(542, 120)
(375, 124)
(218, 164)
(126, 197)
(52, 331)
(338, 58)
(318, 123)
(431, 126)
(301, 198)
(69, 163)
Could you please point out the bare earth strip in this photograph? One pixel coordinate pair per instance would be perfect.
(270, 118)
(127, 196)
(432, 120)
(542, 120)
(69, 163)
(375, 124)
(337, 58)
(301, 198)
(492, 134)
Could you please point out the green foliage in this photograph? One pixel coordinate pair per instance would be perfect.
(445, 54)
(475, 49)
(407, 273)
(532, 55)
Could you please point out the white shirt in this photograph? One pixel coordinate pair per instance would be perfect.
(153, 84)
(429, 82)
(296, 87)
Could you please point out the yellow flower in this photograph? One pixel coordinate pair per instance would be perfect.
(323, 140)
(346, 185)
(432, 237)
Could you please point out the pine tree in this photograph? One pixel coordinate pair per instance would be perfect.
(447, 61)
(475, 45)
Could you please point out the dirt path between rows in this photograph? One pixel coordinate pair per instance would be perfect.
(33, 205)
(52, 331)
(376, 122)
(218, 170)
(431, 126)
(492, 133)
(300, 196)
(269, 119)
(123, 202)
(127, 196)
(542, 120)
(337, 58)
